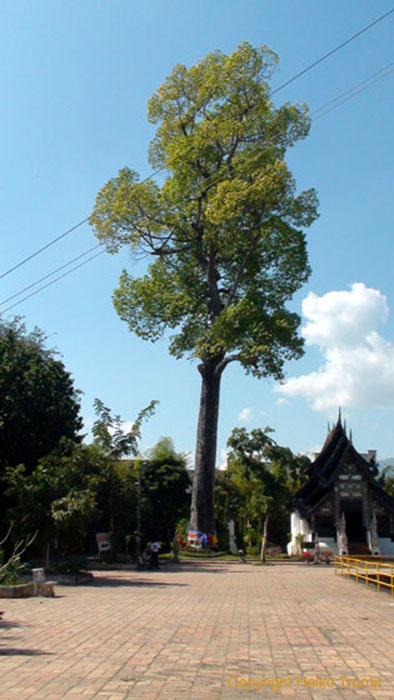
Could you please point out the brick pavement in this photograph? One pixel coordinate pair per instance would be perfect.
(201, 631)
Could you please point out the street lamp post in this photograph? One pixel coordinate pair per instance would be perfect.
(138, 542)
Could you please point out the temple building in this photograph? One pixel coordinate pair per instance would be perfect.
(342, 502)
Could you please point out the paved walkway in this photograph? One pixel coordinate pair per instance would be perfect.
(201, 631)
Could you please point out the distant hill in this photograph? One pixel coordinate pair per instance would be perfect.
(389, 461)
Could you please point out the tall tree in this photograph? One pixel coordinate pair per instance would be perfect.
(224, 230)
(39, 404)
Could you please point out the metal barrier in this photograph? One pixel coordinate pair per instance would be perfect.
(370, 571)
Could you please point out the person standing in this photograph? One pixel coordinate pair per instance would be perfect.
(154, 557)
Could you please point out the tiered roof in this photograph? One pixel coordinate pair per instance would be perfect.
(337, 452)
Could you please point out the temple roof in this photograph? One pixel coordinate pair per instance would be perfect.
(337, 452)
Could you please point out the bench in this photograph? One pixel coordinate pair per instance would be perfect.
(41, 586)
(45, 588)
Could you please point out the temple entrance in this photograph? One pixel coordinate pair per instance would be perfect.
(356, 531)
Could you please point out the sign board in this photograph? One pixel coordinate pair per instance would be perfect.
(103, 541)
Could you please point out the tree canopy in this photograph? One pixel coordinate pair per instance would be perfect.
(224, 231)
(39, 404)
(79, 485)
(58, 499)
(225, 225)
(165, 490)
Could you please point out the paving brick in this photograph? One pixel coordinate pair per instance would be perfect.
(203, 631)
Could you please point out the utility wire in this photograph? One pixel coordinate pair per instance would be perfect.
(273, 92)
(216, 177)
(330, 53)
(351, 89)
(53, 281)
(33, 255)
(366, 83)
(349, 97)
(62, 235)
(49, 275)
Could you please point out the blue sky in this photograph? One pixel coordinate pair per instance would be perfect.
(75, 80)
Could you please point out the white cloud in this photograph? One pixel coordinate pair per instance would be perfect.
(343, 319)
(359, 363)
(245, 415)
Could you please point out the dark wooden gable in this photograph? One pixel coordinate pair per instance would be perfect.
(338, 463)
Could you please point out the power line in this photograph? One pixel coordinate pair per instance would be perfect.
(53, 281)
(366, 83)
(33, 255)
(274, 140)
(351, 89)
(62, 235)
(357, 92)
(330, 53)
(49, 274)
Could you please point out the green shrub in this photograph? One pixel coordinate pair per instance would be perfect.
(71, 565)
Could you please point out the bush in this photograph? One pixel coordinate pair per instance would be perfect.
(71, 565)
(12, 574)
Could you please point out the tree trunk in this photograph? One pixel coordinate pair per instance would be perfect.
(46, 553)
(202, 517)
(264, 540)
(175, 549)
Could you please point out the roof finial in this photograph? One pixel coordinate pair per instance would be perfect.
(328, 426)
(340, 415)
(351, 436)
(344, 426)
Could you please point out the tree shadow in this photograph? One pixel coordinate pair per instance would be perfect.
(24, 652)
(197, 568)
(114, 581)
(8, 624)
(101, 577)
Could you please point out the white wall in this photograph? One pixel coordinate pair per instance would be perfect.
(386, 546)
(299, 526)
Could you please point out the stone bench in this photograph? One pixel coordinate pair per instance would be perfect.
(45, 588)
(41, 586)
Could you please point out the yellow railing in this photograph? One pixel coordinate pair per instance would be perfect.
(370, 571)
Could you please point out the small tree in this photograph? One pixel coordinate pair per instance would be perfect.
(76, 484)
(116, 444)
(259, 470)
(58, 498)
(387, 479)
(165, 487)
(11, 566)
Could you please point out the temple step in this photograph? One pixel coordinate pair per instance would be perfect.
(359, 548)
